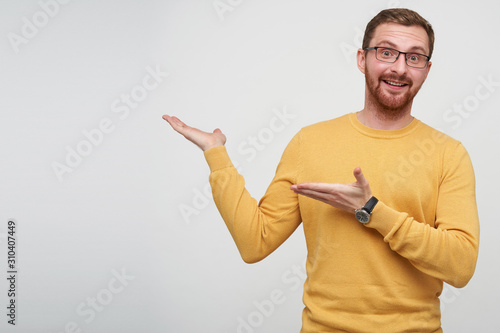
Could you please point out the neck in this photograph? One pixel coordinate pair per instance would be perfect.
(381, 121)
(373, 117)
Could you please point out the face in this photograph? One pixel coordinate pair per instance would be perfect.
(391, 87)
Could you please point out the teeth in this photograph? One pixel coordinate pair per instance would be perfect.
(395, 83)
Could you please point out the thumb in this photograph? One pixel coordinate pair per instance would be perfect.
(360, 178)
(217, 130)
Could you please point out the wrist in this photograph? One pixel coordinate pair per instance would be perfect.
(363, 214)
(210, 146)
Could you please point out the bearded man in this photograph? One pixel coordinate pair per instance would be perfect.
(379, 248)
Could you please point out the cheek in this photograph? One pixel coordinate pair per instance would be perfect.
(418, 79)
(378, 70)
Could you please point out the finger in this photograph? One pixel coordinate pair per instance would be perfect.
(313, 194)
(360, 177)
(168, 118)
(178, 121)
(176, 124)
(327, 188)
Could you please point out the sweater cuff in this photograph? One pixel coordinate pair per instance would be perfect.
(384, 219)
(217, 158)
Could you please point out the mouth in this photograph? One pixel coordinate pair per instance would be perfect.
(395, 84)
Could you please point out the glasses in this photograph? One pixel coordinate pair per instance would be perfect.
(386, 54)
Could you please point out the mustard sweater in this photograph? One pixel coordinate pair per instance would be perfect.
(384, 276)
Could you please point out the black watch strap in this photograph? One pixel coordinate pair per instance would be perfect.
(370, 205)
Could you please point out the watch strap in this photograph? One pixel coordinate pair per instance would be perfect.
(370, 205)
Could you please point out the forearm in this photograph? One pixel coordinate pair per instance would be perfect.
(449, 254)
(257, 229)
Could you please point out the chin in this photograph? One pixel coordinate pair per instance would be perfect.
(390, 107)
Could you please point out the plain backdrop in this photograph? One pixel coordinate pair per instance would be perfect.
(116, 231)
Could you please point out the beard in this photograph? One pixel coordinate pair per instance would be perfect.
(390, 105)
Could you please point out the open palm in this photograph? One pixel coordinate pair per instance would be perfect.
(204, 140)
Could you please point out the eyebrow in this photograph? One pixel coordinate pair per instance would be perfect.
(413, 49)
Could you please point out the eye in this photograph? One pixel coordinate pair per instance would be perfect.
(414, 58)
(386, 53)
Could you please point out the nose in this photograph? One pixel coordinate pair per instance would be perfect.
(399, 66)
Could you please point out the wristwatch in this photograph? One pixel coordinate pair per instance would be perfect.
(363, 214)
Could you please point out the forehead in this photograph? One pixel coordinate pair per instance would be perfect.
(401, 37)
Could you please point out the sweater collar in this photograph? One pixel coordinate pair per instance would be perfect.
(385, 134)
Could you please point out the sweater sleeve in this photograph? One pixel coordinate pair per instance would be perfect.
(257, 228)
(449, 250)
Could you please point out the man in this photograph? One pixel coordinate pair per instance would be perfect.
(379, 248)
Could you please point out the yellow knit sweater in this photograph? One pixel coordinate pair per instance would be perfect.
(384, 276)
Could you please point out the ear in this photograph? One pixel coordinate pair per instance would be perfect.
(361, 60)
(428, 69)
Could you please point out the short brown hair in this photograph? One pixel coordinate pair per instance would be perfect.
(400, 16)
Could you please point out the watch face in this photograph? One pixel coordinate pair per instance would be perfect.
(362, 216)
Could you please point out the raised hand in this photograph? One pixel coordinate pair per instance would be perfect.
(348, 197)
(204, 140)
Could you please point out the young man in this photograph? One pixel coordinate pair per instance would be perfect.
(379, 248)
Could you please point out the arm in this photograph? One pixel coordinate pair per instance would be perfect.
(257, 229)
(447, 251)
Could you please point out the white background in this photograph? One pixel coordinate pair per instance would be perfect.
(134, 205)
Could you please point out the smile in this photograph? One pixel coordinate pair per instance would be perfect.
(396, 84)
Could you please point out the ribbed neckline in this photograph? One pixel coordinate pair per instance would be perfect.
(383, 134)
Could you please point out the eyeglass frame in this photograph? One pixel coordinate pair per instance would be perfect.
(399, 53)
